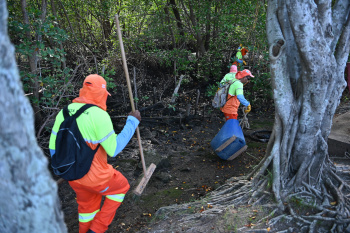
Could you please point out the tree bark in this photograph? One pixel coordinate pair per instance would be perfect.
(28, 196)
(177, 17)
(308, 80)
(170, 28)
(54, 12)
(33, 58)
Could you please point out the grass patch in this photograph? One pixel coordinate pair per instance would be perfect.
(244, 216)
(162, 198)
(256, 145)
(259, 124)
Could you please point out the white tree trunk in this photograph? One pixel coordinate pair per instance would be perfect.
(309, 46)
(28, 196)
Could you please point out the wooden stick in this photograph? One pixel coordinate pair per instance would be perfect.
(149, 172)
(173, 98)
(240, 151)
(135, 86)
(225, 144)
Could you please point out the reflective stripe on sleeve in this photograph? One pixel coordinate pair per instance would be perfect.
(87, 217)
(116, 197)
(100, 141)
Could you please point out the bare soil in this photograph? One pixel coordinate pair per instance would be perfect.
(187, 167)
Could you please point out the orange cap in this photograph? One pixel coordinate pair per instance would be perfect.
(96, 81)
(94, 91)
(243, 73)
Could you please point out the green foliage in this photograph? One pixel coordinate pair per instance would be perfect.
(212, 89)
(172, 106)
(153, 35)
(259, 90)
(51, 75)
(209, 66)
(180, 57)
(261, 87)
(150, 28)
(303, 203)
(269, 178)
(111, 83)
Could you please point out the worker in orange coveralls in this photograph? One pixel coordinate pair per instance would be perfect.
(235, 95)
(241, 51)
(102, 179)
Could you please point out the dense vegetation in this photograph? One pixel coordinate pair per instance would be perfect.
(59, 42)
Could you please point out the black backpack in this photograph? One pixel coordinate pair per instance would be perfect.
(73, 157)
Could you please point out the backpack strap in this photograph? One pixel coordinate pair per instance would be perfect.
(82, 109)
(65, 112)
(227, 93)
(78, 113)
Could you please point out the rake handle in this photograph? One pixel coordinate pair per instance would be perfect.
(129, 89)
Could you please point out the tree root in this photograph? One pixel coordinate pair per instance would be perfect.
(329, 206)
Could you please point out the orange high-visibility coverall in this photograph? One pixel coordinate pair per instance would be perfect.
(102, 179)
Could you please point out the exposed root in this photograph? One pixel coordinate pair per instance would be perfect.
(313, 190)
(311, 205)
(340, 180)
(274, 221)
(312, 227)
(310, 208)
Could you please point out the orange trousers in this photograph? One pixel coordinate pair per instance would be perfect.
(230, 116)
(91, 214)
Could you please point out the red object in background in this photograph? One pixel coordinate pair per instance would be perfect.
(244, 51)
(348, 72)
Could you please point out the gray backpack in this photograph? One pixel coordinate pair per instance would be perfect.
(220, 96)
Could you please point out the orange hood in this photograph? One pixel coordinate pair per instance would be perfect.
(243, 73)
(93, 92)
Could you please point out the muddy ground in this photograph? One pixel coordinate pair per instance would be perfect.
(187, 167)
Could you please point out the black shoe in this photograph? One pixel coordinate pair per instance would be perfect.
(90, 231)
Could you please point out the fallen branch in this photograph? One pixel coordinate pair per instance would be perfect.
(156, 105)
(173, 98)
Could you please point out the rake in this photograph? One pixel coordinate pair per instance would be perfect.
(147, 173)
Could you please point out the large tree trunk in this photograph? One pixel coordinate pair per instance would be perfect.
(28, 196)
(308, 78)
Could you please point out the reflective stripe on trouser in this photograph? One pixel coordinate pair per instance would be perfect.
(87, 217)
(116, 197)
(89, 200)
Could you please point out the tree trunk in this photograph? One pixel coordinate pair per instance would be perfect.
(28, 196)
(166, 11)
(308, 81)
(33, 58)
(197, 31)
(54, 12)
(177, 17)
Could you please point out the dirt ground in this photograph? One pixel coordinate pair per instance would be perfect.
(187, 167)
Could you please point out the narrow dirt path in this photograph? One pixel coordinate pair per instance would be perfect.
(188, 169)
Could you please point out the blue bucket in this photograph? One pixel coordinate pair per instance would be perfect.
(229, 141)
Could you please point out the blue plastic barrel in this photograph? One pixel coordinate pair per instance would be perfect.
(229, 129)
